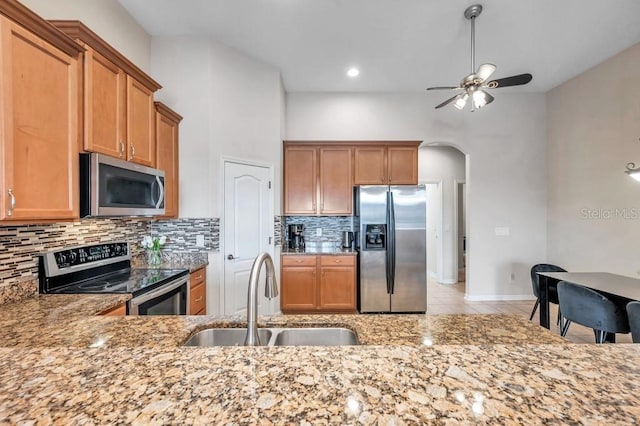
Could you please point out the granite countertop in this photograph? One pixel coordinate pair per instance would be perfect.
(171, 260)
(498, 384)
(412, 369)
(73, 321)
(192, 266)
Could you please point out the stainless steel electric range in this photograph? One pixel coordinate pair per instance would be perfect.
(106, 268)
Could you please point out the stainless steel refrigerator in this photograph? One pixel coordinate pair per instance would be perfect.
(392, 242)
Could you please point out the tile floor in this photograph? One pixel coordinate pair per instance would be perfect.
(449, 299)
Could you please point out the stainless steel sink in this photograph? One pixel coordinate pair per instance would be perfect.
(316, 336)
(226, 337)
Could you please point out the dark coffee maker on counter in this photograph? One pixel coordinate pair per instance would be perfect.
(296, 240)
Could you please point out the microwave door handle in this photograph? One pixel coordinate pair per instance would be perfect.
(159, 292)
(161, 195)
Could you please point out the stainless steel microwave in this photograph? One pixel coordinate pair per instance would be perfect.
(113, 187)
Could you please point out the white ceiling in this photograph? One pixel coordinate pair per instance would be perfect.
(404, 45)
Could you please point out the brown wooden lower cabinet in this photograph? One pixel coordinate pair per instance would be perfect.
(120, 310)
(198, 292)
(317, 284)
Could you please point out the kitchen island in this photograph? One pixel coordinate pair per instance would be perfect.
(411, 369)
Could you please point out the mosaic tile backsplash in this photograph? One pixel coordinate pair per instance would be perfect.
(332, 227)
(19, 245)
(182, 234)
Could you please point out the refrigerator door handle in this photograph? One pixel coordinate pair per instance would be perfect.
(387, 253)
(392, 243)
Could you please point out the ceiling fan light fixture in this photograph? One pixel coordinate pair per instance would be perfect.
(461, 101)
(476, 80)
(479, 99)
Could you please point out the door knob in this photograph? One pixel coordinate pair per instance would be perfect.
(230, 257)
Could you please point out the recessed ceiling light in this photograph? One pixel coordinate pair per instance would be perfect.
(353, 72)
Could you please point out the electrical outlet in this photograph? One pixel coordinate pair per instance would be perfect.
(200, 240)
(318, 232)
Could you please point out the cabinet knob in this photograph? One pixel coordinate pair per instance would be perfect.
(133, 151)
(122, 149)
(230, 257)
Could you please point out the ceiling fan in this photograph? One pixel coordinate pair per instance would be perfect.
(473, 85)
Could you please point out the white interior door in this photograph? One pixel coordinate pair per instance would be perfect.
(247, 231)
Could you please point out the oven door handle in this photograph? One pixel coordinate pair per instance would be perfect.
(160, 291)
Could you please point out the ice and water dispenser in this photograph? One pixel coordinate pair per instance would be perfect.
(375, 237)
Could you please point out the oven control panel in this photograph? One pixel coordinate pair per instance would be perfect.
(87, 254)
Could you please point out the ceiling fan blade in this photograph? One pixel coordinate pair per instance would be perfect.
(514, 80)
(444, 88)
(448, 101)
(485, 71)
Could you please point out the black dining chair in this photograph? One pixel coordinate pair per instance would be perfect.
(592, 309)
(535, 284)
(633, 312)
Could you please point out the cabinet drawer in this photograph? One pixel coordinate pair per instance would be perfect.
(298, 260)
(196, 277)
(345, 260)
(197, 300)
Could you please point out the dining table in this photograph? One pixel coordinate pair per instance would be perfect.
(619, 288)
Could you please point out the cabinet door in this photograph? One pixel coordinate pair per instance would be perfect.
(298, 289)
(104, 106)
(197, 301)
(403, 165)
(140, 124)
(370, 166)
(300, 178)
(167, 160)
(336, 187)
(337, 284)
(39, 145)
(337, 288)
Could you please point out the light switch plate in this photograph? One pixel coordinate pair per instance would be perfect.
(502, 231)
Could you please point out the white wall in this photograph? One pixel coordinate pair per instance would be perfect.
(107, 18)
(506, 185)
(434, 213)
(593, 131)
(232, 107)
(445, 164)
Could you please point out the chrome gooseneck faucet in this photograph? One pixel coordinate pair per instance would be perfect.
(270, 291)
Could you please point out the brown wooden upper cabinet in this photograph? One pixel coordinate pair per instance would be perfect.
(386, 164)
(119, 113)
(167, 122)
(317, 179)
(39, 113)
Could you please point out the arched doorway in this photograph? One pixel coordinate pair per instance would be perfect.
(443, 169)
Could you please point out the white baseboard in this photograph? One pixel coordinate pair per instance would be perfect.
(448, 281)
(498, 297)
